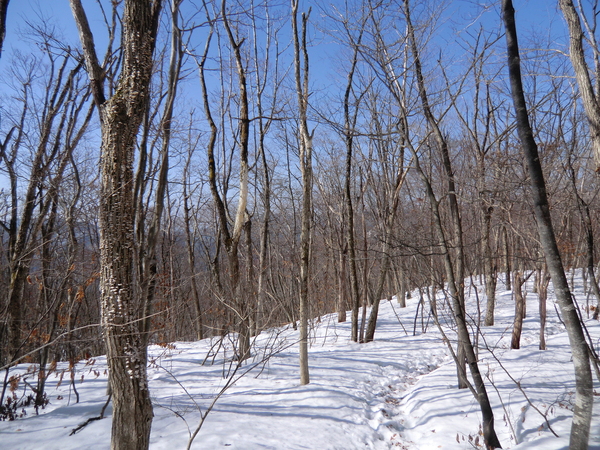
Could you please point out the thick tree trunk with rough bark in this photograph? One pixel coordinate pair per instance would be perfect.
(132, 409)
(120, 118)
(584, 400)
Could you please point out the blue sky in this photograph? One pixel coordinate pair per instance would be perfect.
(538, 15)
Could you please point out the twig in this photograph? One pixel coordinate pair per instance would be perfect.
(518, 384)
(82, 425)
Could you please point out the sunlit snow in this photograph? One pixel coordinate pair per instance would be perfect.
(397, 392)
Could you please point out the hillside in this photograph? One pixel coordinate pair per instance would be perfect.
(397, 392)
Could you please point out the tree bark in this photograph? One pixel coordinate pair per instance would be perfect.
(582, 414)
(507, 264)
(349, 123)
(120, 119)
(457, 234)
(306, 147)
(577, 55)
(232, 240)
(489, 266)
(542, 297)
(342, 286)
(518, 282)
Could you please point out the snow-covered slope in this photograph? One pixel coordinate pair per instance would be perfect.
(397, 392)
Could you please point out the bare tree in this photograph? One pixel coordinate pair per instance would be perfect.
(57, 121)
(442, 143)
(120, 117)
(148, 245)
(349, 132)
(520, 299)
(584, 400)
(543, 282)
(577, 55)
(306, 147)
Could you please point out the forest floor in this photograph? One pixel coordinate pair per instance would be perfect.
(396, 392)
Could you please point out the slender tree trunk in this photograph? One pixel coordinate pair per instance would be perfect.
(401, 287)
(586, 218)
(342, 286)
(489, 266)
(542, 297)
(191, 255)
(507, 264)
(515, 342)
(306, 147)
(366, 298)
(385, 265)
(349, 123)
(586, 90)
(149, 261)
(584, 400)
(232, 240)
(457, 234)
(263, 126)
(464, 337)
(385, 252)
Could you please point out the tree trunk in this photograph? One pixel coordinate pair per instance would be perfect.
(388, 224)
(507, 264)
(231, 240)
(457, 234)
(489, 266)
(191, 255)
(584, 400)
(586, 218)
(542, 296)
(120, 118)
(401, 287)
(464, 337)
(349, 123)
(518, 282)
(306, 147)
(342, 286)
(586, 90)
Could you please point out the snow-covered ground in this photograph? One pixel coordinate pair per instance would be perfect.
(397, 392)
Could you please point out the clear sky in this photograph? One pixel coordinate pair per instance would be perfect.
(532, 15)
(56, 13)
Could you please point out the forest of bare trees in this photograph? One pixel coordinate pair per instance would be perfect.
(181, 170)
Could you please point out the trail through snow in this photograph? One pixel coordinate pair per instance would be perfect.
(396, 392)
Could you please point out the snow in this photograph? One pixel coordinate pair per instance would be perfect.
(396, 392)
